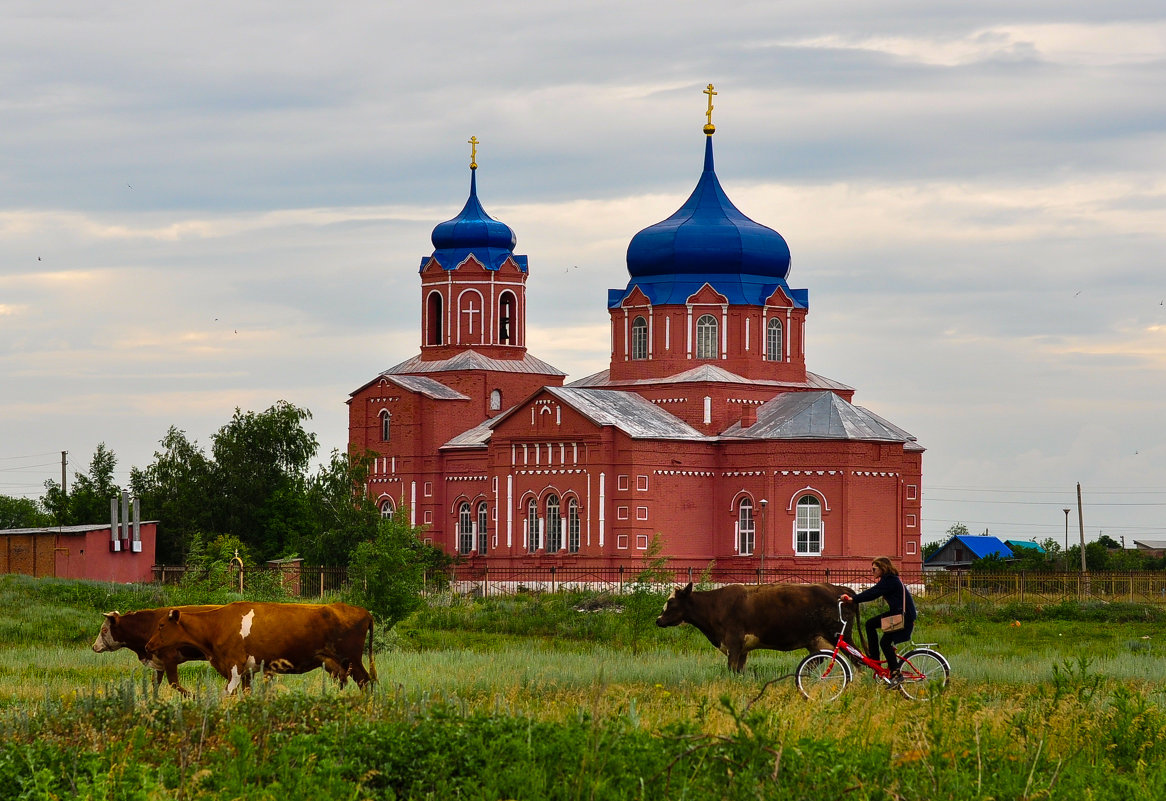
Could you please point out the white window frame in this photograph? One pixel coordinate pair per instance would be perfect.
(806, 533)
(707, 337)
(746, 528)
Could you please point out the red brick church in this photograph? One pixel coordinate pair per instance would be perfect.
(706, 430)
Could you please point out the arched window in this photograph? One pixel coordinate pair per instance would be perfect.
(506, 310)
(573, 526)
(483, 527)
(532, 533)
(387, 508)
(465, 529)
(746, 530)
(386, 418)
(773, 342)
(433, 316)
(706, 337)
(808, 532)
(554, 524)
(495, 400)
(639, 338)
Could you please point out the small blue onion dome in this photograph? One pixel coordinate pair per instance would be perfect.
(473, 229)
(708, 235)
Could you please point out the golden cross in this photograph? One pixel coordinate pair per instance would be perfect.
(709, 113)
(473, 142)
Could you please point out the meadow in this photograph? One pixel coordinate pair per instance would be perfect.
(581, 696)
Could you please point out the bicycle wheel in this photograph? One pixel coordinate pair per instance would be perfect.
(821, 677)
(925, 673)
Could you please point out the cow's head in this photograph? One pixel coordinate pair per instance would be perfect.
(168, 633)
(674, 609)
(107, 638)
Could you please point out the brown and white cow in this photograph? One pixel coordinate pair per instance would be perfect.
(741, 618)
(244, 637)
(134, 629)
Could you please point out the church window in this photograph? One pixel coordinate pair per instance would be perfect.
(495, 400)
(639, 338)
(554, 524)
(483, 527)
(386, 418)
(387, 508)
(808, 532)
(433, 315)
(706, 337)
(573, 526)
(532, 532)
(746, 530)
(773, 341)
(465, 529)
(506, 306)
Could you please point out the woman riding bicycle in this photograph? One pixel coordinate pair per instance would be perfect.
(891, 587)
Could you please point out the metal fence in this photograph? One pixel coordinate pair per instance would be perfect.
(308, 581)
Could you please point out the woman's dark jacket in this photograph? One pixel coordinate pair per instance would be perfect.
(890, 587)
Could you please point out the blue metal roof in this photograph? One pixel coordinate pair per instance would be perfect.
(475, 232)
(981, 546)
(708, 235)
(1026, 545)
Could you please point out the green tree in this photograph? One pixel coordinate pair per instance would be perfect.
(22, 513)
(260, 478)
(342, 512)
(386, 574)
(92, 491)
(176, 489)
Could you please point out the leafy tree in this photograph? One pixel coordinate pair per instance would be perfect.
(92, 491)
(930, 548)
(387, 573)
(260, 475)
(342, 512)
(22, 513)
(176, 489)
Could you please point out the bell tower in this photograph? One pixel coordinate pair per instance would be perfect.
(473, 286)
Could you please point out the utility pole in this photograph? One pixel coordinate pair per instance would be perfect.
(1081, 526)
(764, 504)
(64, 465)
(1066, 511)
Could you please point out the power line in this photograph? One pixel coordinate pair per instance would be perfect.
(1036, 503)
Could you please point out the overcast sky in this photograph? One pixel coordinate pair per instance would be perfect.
(211, 205)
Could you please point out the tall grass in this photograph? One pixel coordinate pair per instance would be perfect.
(581, 696)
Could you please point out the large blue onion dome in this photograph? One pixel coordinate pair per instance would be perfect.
(708, 235)
(472, 231)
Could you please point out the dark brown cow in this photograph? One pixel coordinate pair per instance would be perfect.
(741, 618)
(134, 629)
(244, 637)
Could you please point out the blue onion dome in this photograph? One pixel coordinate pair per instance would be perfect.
(708, 235)
(473, 229)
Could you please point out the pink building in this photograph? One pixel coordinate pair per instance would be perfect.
(706, 431)
(80, 552)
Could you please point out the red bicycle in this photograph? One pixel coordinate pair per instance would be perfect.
(824, 675)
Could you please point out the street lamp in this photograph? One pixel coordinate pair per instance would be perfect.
(764, 503)
(1066, 511)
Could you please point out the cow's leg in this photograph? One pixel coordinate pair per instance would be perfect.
(171, 672)
(735, 648)
(819, 643)
(359, 674)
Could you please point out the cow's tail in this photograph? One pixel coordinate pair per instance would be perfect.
(372, 668)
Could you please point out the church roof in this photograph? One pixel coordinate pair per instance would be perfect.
(426, 386)
(476, 437)
(708, 235)
(710, 373)
(473, 231)
(472, 360)
(817, 415)
(633, 414)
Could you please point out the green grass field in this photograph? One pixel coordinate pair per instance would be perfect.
(529, 697)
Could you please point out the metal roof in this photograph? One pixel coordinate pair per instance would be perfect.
(981, 546)
(711, 373)
(817, 415)
(636, 416)
(426, 386)
(63, 529)
(472, 360)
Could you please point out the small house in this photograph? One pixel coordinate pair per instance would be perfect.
(962, 550)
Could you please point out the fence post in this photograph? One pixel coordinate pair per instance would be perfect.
(552, 579)
(621, 579)
(486, 581)
(690, 574)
